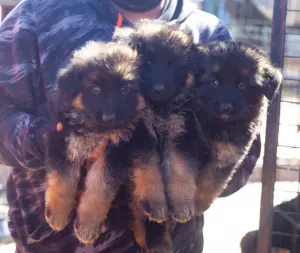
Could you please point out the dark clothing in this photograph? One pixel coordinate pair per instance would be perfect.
(36, 40)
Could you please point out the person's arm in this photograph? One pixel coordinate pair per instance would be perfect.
(241, 177)
(20, 131)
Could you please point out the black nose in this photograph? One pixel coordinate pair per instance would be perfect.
(108, 116)
(158, 87)
(226, 108)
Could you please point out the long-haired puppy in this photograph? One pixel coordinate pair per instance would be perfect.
(97, 105)
(165, 187)
(234, 83)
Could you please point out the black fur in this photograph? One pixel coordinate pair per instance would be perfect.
(165, 52)
(98, 101)
(233, 85)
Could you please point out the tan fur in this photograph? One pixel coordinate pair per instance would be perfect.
(60, 197)
(148, 183)
(77, 102)
(226, 153)
(137, 224)
(141, 103)
(189, 82)
(96, 200)
(181, 184)
(175, 125)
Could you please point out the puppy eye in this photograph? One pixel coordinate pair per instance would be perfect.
(125, 89)
(242, 85)
(214, 83)
(96, 89)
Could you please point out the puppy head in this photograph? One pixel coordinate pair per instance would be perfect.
(235, 79)
(101, 84)
(165, 51)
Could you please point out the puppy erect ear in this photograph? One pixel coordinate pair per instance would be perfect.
(69, 82)
(272, 81)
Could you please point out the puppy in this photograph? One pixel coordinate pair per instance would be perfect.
(234, 83)
(165, 51)
(97, 105)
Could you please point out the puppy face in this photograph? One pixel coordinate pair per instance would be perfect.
(164, 51)
(101, 84)
(235, 80)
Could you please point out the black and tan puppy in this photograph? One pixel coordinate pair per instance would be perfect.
(165, 51)
(233, 88)
(98, 104)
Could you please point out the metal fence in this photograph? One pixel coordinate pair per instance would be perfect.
(276, 31)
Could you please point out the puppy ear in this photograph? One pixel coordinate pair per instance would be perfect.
(69, 82)
(123, 35)
(272, 81)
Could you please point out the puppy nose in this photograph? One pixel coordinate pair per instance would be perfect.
(158, 87)
(108, 116)
(226, 108)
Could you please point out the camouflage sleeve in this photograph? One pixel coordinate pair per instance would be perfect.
(19, 64)
(240, 178)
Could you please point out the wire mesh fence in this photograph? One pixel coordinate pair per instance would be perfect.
(274, 26)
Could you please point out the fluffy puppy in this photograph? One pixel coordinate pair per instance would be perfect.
(98, 105)
(168, 186)
(234, 83)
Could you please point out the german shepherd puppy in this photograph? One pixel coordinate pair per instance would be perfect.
(165, 51)
(234, 83)
(98, 104)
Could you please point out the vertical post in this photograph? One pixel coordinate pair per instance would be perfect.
(272, 129)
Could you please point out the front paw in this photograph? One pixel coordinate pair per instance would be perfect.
(182, 212)
(56, 219)
(86, 231)
(156, 211)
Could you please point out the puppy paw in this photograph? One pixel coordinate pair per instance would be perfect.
(56, 219)
(86, 232)
(155, 211)
(182, 212)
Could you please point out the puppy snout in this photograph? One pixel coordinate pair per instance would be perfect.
(158, 87)
(226, 107)
(108, 116)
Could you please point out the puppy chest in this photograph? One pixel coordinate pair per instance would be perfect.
(225, 154)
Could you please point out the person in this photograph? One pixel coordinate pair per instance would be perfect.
(37, 39)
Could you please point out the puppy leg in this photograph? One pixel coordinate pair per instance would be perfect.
(149, 187)
(181, 166)
(62, 183)
(210, 184)
(181, 185)
(150, 236)
(60, 197)
(101, 189)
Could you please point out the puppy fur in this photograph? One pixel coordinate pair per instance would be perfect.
(234, 83)
(99, 105)
(168, 183)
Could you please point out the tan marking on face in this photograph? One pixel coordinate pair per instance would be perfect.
(77, 102)
(141, 103)
(190, 80)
